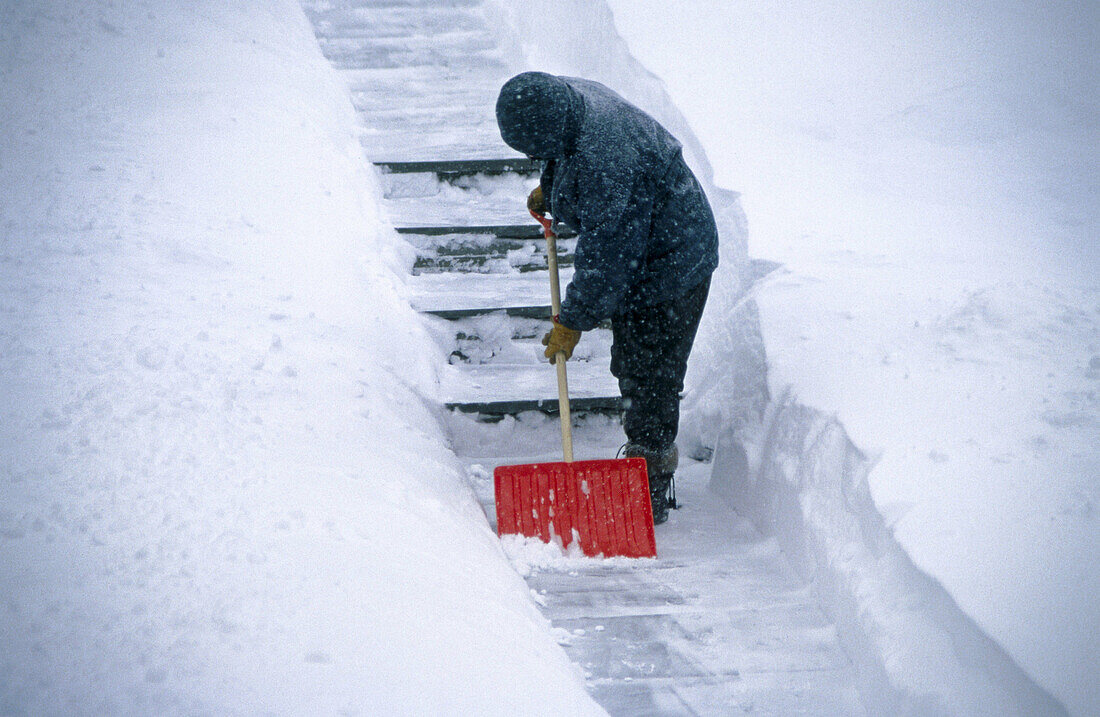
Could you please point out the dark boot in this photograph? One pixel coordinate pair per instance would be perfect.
(660, 467)
(658, 496)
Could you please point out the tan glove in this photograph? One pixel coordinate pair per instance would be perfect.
(536, 202)
(560, 338)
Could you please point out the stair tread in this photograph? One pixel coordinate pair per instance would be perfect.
(534, 381)
(464, 291)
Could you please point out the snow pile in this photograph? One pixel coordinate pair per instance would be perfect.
(804, 481)
(223, 485)
(922, 173)
(529, 555)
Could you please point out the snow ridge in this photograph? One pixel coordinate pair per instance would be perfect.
(801, 479)
(224, 487)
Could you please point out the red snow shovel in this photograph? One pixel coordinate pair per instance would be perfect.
(603, 505)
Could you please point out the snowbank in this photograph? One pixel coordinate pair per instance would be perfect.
(920, 171)
(803, 480)
(223, 487)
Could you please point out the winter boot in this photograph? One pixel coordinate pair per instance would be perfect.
(658, 496)
(660, 465)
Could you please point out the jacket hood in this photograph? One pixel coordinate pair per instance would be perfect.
(539, 115)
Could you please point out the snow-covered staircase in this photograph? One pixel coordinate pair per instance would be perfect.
(719, 623)
(491, 282)
(423, 74)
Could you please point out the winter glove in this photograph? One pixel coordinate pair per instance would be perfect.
(560, 338)
(536, 202)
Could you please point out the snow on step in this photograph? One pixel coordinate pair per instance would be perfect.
(779, 694)
(350, 55)
(370, 20)
(423, 75)
(489, 383)
(706, 643)
(483, 244)
(483, 253)
(430, 118)
(718, 624)
(432, 292)
(496, 339)
(375, 90)
(410, 49)
(456, 205)
(426, 145)
(482, 262)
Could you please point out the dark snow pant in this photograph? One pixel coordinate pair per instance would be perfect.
(649, 357)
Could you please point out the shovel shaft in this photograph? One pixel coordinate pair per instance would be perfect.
(552, 263)
(563, 410)
(559, 358)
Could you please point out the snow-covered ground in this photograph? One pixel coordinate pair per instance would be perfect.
(224, 479)
(925, 172)
(224, 487)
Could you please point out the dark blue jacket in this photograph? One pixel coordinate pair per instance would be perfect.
(618, 178)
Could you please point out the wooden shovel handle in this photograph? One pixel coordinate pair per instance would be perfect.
(559, 358)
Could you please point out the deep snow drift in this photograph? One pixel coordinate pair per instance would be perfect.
(926, 174)
(223, 487)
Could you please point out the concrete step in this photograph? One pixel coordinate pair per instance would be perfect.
(393, 20)
(453, 168)
(523, 312)
(500, 341)
(436, 292)
(493, 411)
(381, 144)
(487, 252)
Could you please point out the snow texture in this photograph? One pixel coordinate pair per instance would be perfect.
(922, 173)
(224, 486)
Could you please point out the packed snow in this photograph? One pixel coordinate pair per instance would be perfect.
(529, 555)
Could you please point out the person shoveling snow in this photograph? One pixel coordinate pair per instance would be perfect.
(646, 248)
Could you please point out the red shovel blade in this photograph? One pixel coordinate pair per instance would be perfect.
(602, 504)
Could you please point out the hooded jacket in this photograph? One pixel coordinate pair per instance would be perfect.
(613, 174)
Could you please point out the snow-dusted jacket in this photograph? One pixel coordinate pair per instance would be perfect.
(613, 174)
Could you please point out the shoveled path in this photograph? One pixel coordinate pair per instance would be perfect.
(718, 623)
